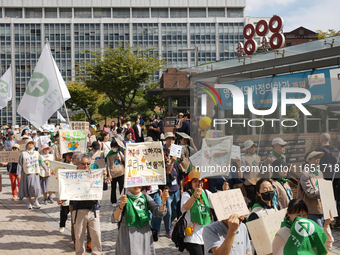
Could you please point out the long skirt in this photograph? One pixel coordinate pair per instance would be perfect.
(29, 185)
(44, 183)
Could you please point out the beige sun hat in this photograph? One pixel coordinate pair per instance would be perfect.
(315, 153)
(279, 140)
(148, 139)
(248, 144)
(29, 140)
(169, 134)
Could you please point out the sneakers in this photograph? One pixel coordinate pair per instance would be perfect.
(29, 206)
(154, 235)
(61, 230)
(14, 198)
(169, 235)
(50, 200)
(89, 247)
(45, 201)
(36, 205)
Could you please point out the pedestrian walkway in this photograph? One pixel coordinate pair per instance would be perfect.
(36, 231)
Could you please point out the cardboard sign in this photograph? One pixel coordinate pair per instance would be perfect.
(216, 156)
(98, 164)
(175, 150)
(227, 202)
(79, 125)
(9, 156)
(184, 135)
(144, 164)
(93, 138)
(80, 184)
(327, 198)
(53, 183)
(21, 142)
(196, 158)
(214, 134)
(263, 231)
(235, 152)
(93, 132)
(43, 140)
(72, 141)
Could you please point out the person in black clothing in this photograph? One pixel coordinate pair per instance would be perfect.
(152, 129)
(186, 125)
(160, 125)
(137, 128)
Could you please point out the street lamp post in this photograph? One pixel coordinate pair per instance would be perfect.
(196, 53)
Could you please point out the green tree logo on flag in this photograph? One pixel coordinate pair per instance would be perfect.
(3, 86)
(304, 228)
(38, 85)
(139, 204)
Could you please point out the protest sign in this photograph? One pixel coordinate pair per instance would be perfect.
(98, 164)
(263, 231)
(216, 156)
(107, 130)
(53, 183)
(72, 141)
(17, 136)
(227, 202)
(79, 125)
(80, 184)
(196, 158)
(44, 140)
(235, 152)
(93, 132)
(144, 164)
(327, 198)
(22, 144)
(214, 134)
(175, 150)
(9, 156)
(184, 135)
(64, 126)
(93, 138)
(50, 128)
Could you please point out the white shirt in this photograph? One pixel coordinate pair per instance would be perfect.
(139, 131)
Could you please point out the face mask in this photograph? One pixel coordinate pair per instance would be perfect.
(115, 149)
(267, 196)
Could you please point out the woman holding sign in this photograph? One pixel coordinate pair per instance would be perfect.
(286, 239)
(133, 217)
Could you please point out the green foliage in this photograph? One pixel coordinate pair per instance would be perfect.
(79, 116)
(329, 33)
(119, 73)
(83, 98)
(107, 109)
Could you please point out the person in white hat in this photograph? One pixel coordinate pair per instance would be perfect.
(250, 162)
(35, 138)
(45, 173)
(169, 139)
(279, 149)
(29, 170)
(308, 188)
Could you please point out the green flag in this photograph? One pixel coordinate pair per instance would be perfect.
(306, 237)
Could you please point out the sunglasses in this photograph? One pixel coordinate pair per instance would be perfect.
(86, 164)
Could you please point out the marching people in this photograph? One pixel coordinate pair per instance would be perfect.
(185, 128)
(169, 139)
(251, 162)
(133, 217)
(10, 141)
(12, 171)
(119, 136)
(45, 172)
(128, 124)
(320, 241)
(308, 189)
(56, 148)
(152, 129)
(128, 137)
(188, 152)
(96, 153)
(105, 144)
(137, 127)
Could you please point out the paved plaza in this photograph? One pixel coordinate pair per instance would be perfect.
(36, 231)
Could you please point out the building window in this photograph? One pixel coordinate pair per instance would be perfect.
(140, 12)
(13, 12)
(0, 12)
(33, 13)
(50, 13)
(65, 13)
(288, 44)
(216, 12)
(84, 13)
(235, 12)
(301, 32)
(197, 13)
(178, 13)
(102, 12)
(159, 13)
(121, 13)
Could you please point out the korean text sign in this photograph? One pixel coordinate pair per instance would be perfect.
(53, 183)
(80, 184)
(72, 141)
(9, 156)
(144, 164)
(79, 125)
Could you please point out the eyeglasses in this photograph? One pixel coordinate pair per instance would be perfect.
(86, 164)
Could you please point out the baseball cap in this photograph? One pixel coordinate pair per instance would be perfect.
(248, 144)
(11, 133)
(278, 140)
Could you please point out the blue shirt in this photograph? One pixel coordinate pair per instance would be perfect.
(185, 128)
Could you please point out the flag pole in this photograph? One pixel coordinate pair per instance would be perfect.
(61, 93)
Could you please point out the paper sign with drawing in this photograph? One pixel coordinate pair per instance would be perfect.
(72, 141)
(263, 231)
(80, 184)
(53, 184)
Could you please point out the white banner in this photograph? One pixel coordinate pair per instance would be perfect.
(43, 96)
(72, 141)
(80, 184)
(144, 164)
(53, 183)
(5, 88)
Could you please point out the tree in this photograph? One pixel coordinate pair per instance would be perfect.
(107, 109)
(331, 32)
(119, 73)
(83, 98)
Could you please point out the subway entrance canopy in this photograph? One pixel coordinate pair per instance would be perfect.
(314, 66)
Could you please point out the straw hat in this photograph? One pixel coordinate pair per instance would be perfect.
(169, 134)
(29, 140)
(45, 146)
(315, 153)
(148, 139)
(16, 146)
(247, 144)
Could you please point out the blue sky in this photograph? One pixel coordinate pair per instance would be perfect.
(312, 14)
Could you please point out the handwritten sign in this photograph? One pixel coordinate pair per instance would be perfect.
(227, 202)
(9, 156)
(98, 164)
(72, 141)
(264, 229)
(43, 140)
(214, 134)
(53, 183)
(80, 184)
(196, 158)
(216, 156)
(93, 138)
(21, 142)
(235, 152)
(327, 198)
(144, 164)
(79, 125)
(175, 150)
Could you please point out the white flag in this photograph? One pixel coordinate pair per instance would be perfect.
(62, 84)
(5, 88)
(60, 117)
(43, 95)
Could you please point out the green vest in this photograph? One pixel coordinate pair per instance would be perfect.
(137, 212)
(200, 213)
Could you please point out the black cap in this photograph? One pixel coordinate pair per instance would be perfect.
(95, 145)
